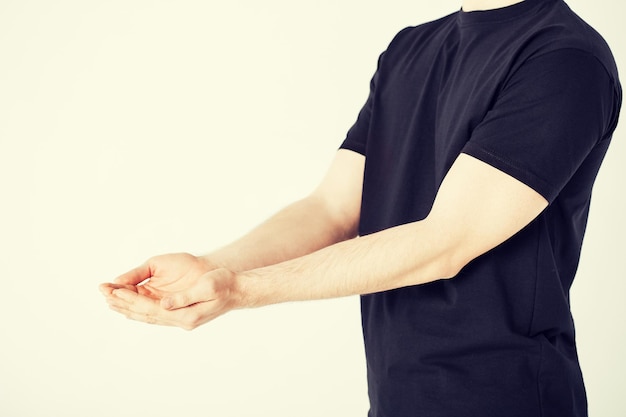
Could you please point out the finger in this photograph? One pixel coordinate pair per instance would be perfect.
(198, 294)
(148, 319)
(132, 298)
(135, 275)
(137, 316)
(139, 308)
(141, 317)
(150, 291)
(107, 288)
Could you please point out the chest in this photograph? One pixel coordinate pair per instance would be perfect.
(442, 87)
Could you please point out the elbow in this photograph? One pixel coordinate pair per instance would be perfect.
(451, 261)
(449, 267)
(343, 221)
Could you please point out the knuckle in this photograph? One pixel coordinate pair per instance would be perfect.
(180, 300)
(188, 326)
(192, 320)
(212, 289)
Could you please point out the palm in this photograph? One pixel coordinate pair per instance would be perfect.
(167, 274)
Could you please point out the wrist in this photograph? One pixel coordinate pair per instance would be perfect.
(248, 289)
(223, 258)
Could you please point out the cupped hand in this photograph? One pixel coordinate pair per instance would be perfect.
(162, 276)
(176, 290)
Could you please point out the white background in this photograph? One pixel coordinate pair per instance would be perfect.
(132, 128)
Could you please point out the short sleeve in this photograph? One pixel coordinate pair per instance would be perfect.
(548, 118)
(356, 138)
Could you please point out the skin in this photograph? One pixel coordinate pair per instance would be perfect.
(475, 5)
(187, 291)
(310, 249)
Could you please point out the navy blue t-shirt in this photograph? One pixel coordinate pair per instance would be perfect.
(533, 91)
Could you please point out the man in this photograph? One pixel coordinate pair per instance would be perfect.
(467, 179)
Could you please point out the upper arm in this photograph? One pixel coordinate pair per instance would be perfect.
(552, 113)
(478, 207)
(341, 188)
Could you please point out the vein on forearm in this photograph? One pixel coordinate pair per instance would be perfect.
(389, 259)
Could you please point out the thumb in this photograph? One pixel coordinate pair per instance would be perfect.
(202, 290)
(135, 275)
(180, 300)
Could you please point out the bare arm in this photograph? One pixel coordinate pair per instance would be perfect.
(330, 214)
(477, 208)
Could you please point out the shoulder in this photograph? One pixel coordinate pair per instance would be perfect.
(443, 24)
(422, 38)
(560, 29)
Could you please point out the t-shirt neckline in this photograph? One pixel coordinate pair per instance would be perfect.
(501, 14)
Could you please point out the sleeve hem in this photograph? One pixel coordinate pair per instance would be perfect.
(547, 190)
(352, 146)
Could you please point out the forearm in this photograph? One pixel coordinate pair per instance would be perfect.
(401, 256)
(477, 208)
(299, 229)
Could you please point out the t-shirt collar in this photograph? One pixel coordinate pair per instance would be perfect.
(501, 14)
